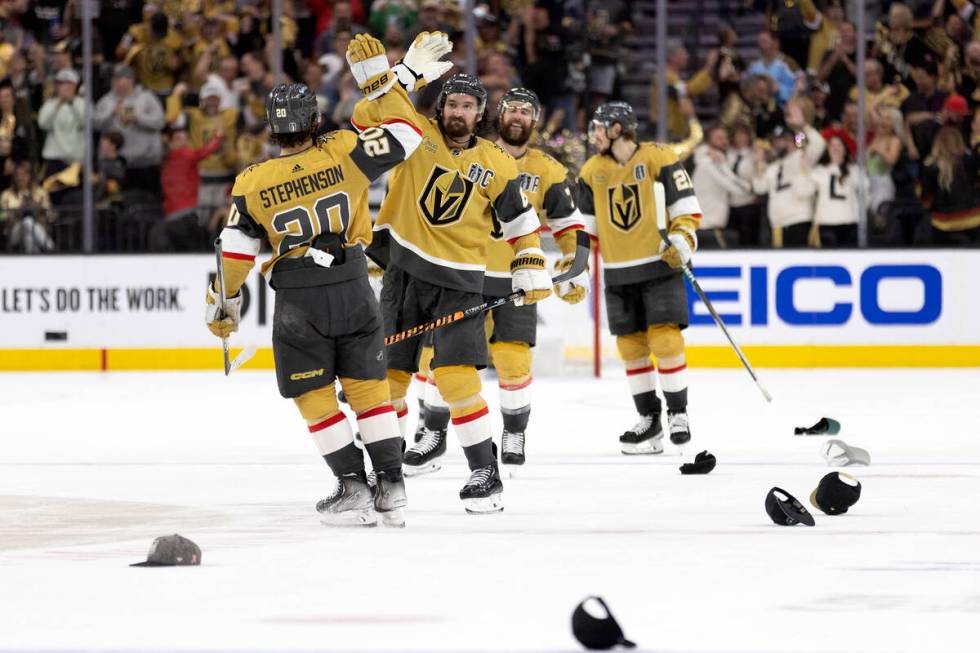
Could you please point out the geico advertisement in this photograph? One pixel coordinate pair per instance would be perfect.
(876, 297)
(788, 297)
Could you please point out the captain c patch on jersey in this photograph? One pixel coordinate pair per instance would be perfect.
(445, 195)
(624, 205)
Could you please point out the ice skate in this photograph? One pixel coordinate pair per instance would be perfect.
(390, 498)
(646, 437)
(351, 504)
(423, 456)
(482, 494)
(512, 448)
(679, 427)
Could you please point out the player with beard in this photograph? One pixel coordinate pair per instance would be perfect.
(627, 191)
(431, 238)
(513, 328)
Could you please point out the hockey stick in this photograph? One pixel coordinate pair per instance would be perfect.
(661, 200)
(248, 352)
(579, 263)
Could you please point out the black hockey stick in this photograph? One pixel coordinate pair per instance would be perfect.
(711, 309)
(248, 352)
(579, 263)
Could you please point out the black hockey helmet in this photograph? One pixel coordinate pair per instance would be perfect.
(462, 83)
(611, 113)
(291, 109)
(520, 96)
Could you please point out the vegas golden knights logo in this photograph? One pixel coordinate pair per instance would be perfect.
(445, 196)
(624, 206)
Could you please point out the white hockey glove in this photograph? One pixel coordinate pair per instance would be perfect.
(369, 65)
(678, 252)
(226, 323)
(528, 273)
(575, 289)
(421, 64)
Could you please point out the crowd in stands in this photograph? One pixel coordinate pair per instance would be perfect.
(779, 167)
(178, 94)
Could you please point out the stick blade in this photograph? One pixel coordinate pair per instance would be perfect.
(243, 357)
(580, 261)
(765, 393)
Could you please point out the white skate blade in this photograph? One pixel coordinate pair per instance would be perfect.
(364, 518)
(484, 505)
(426, 468)
(393, 518)
(653, 445)
(509, 471)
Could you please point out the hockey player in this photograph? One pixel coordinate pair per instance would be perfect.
(646, 301)
(513, 328)
(431, 236)
(310, 204)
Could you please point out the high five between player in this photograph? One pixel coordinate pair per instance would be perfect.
(623, 192)
(310, 204)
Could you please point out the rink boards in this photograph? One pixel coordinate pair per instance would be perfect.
(877, 308)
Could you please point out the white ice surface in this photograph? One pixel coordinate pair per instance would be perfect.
(94, 466)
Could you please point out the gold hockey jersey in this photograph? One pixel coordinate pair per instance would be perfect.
(434, 222)
(620, 206)
(290, 200)
(545, 184)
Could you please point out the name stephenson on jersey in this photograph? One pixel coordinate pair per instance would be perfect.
(545, 184)
(435, 219)
(618, 203)
(291, 200)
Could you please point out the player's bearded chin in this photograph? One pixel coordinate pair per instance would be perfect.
(514, 133)
(456, 127)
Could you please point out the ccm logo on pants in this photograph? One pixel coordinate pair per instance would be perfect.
(299, 376)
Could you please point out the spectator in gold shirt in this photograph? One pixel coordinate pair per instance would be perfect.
(157, 60)
(678, 89)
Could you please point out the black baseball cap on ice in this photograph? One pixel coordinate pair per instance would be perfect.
(171, 551)
(785, 510)
(836, 493)
(597, 632)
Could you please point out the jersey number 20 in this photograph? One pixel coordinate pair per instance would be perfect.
(298, 226)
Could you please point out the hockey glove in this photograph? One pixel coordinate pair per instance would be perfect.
(528, 274)
(421, 64)
(678, 252)
(575, 289)
(369, 65)
(222, 324)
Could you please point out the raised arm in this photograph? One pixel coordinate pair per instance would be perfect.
(390, 127)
